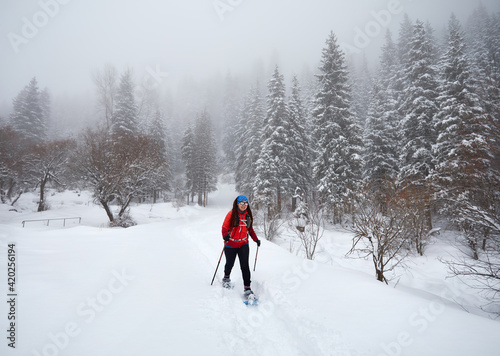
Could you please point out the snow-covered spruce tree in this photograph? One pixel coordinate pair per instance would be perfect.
(45, 106)
(381, 138)
(188, 152)
(248, 141)
(231, 105)
(387, 77)
(361, 85)
(205, 158)
(124, 120)
(397, 77)
(433, 44)
(380, 155)
(464, 158)
(242, 167)
(27, 117)
(300, 143)
(404, 40)
(273, 171)
(483, 47)
(480, 204)
(419, 107)
(159, 134)
(337, 165)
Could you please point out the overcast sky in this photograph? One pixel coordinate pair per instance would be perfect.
(61, 41)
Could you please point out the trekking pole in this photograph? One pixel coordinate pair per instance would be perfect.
(218, 263)
(256, 253)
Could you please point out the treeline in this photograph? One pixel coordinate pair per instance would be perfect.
(423, 143)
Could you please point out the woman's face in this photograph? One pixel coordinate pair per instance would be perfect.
(243, 205)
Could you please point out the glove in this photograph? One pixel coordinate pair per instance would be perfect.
(258, 243)
(226, 238)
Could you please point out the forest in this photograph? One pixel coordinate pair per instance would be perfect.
(385, 151)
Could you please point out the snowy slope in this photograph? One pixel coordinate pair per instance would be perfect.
(90, 290)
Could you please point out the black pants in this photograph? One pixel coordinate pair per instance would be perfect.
(243, 253)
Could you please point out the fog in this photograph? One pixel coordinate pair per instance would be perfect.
(60, 42)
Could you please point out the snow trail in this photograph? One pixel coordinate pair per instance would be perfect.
(146, 290)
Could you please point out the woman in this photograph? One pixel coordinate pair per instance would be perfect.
(235, 230)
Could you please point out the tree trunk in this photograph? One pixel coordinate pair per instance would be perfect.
(42, 191)
(16, 198)
(279, 199)
(125, 206)
(107, 210)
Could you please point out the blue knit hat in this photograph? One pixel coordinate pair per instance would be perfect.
(241, 198)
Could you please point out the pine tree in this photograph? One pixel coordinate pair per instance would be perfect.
(188, 151)
(124, 121)
(401, 65)
(273, 167)
(463, 153)
(230, 118)
(28, 115)
(205, 158)
(380, 155)
(388, 79)
(483, 43)
(419, 107)
(361, 87)
(381, 137)
(404, 41)
(434, 49)
(300, 147)
(248, 141)
(45, 108)
(389, 64)
(338, 158)
(161, 138)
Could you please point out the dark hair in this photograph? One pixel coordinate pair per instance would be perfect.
(235, 218)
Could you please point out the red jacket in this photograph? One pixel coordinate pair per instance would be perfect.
(238, 234)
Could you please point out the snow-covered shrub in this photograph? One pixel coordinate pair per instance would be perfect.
(308, 223)
(268, 223)
(124, 220)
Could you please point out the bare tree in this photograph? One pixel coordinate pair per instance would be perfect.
(308, 223)
(46, 163)
(11, 162)
(106, 81)
(415, 203)
(120, 171)
(382, 236)
(482, 271)
(270, 223)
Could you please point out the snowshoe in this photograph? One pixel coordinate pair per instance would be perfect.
(226, 283)
(249, 298)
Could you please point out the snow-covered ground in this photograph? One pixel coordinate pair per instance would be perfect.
(86, 289)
